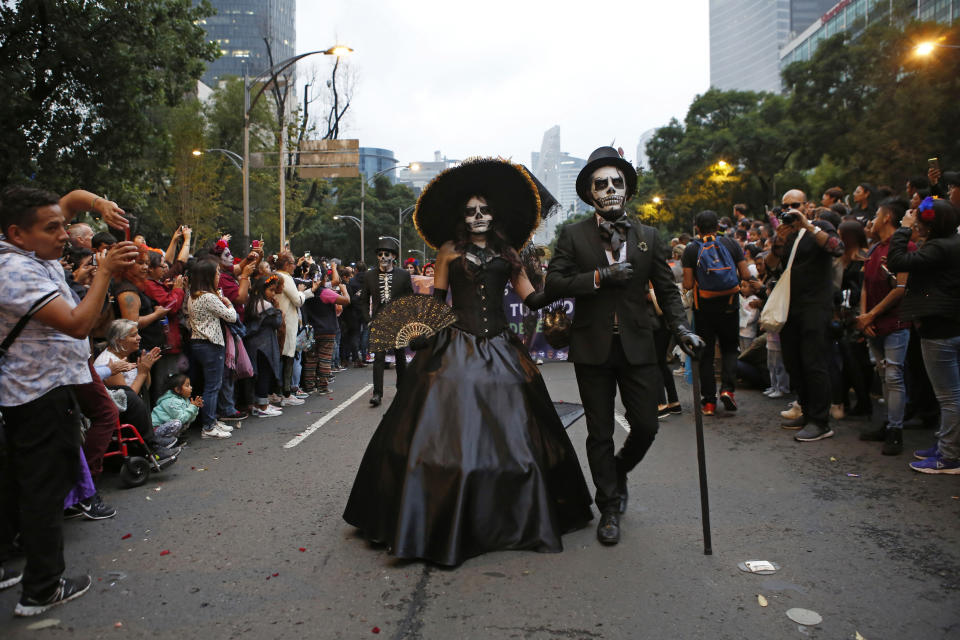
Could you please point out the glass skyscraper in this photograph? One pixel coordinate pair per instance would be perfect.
(240, 26)
(746, 37)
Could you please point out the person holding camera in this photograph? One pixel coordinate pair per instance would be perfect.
(804, 338)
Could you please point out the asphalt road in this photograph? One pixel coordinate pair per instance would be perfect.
(257, 547)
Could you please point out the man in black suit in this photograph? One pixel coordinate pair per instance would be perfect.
(381, 285)
(606, 263)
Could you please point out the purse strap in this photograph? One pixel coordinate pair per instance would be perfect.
(793, 251)
(22, 322)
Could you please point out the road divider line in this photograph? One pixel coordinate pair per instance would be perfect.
(322, 421)
(622, 421)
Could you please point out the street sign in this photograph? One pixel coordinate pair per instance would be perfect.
(329, 159)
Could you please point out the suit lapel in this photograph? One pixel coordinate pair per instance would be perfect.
(593, 238)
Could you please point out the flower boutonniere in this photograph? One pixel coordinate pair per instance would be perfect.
(642, 245)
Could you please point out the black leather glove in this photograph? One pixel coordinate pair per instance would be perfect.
(537, 300)
(616, 274)
(689, 342)
(420, 342)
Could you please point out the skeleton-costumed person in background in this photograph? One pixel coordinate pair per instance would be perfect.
(471, 456)
(605, 263)
(380, 286)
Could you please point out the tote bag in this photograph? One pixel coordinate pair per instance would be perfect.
(774, 314)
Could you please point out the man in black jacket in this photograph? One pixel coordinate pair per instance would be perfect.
(380, 286)
(606, 262)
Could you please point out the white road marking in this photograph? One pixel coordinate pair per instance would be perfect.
(622, 421)
(322, 421)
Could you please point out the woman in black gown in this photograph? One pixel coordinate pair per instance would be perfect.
(471, 456)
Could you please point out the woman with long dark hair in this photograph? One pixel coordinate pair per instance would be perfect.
(206, 307)
(320, 313)
(865, 199)
(471, 456)
(263, 320)
(932, 304)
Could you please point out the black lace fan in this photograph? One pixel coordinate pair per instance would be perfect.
(408, 317)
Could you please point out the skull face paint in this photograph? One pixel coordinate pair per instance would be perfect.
(477, 215)
(609, 190)
(385, 260)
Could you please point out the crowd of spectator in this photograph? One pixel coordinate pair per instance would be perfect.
(160, 339)
(872, 329)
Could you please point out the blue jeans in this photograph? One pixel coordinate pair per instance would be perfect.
(225, 399)
(942, 359)
(890, 352)
(779, 380)
(208, 358)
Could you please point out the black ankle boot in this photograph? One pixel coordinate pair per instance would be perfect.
(893, 443)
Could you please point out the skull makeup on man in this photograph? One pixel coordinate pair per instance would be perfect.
(477, 215)
(385, 259)
(609, 190)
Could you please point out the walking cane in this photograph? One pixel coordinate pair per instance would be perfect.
(701, 459)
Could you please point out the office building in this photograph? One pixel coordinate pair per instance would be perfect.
(425, 171)
(643, 162)
(853, 16)
(374, 160)
(240, 26)
(746, 37)
(557, 170)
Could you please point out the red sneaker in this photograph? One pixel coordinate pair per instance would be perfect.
(729, 403)
(708, 409)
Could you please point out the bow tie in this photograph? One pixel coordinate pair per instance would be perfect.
(613, 234)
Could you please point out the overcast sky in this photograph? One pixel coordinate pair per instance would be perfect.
(489, 77)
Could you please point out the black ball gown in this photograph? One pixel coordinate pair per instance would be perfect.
(471, 456)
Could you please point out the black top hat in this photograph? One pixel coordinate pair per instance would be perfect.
(388, 244)
(605, 156)
(507, 187)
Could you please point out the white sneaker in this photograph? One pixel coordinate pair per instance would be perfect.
(768, 391)
(223, 426)
(776, 393)
(794, 412)
(214, 432)
(269, 412)
(291, 401)
(274, 398)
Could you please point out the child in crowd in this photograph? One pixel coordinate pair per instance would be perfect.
(176, 410)
(779, 380)
(749, 318)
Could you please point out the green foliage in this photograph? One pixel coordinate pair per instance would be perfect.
(861, 110)
(86, 85)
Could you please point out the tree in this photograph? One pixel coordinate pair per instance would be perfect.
(65, 124)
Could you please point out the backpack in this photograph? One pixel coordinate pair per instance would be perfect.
(716, 274)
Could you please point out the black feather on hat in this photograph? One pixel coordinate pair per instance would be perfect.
(509, 190)
(602, 157)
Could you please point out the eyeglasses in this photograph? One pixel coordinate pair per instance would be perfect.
(793, 205)
(601, 183)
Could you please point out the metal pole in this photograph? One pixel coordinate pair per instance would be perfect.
(400, 231)
(283, 185)
(246, 161)
(363, 193)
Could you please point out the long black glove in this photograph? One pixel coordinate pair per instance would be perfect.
(689, 342)
(617, 274)
(537, 300)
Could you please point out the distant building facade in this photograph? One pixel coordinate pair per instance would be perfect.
(240, 26)
(853, 16)
(642, 161)
(374, 159)
(746, 37)
(557, 170)
(425, 171)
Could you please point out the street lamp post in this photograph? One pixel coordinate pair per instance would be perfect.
(248, 105)
(355, 220)
(400, 215)
(413, 166)
(235, 158)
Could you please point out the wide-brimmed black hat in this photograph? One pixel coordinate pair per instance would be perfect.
(605, 156)
(507, 187)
